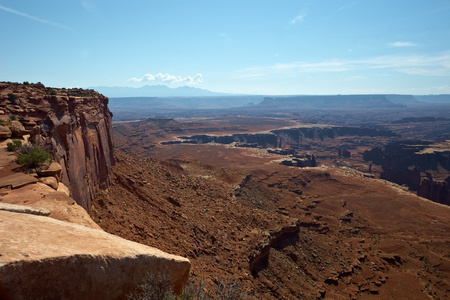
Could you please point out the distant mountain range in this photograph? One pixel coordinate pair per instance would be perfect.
(163, 91)
(155, 91)
(328, 102)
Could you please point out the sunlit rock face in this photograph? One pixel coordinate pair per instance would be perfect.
(74, 124)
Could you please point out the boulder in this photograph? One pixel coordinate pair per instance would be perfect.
(5, 132)
(54, 170)
(50, 181)
(44, 258)
(63, 188)
(17, 129)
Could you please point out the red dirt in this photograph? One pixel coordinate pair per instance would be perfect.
(283, 232)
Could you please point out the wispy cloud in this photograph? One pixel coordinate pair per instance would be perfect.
(10, 10)
(90, 6)
(168, 78)
(402, 44)
(426, 65)
(298, 18)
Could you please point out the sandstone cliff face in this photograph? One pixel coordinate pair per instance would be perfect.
(74, 124)
(60, 260)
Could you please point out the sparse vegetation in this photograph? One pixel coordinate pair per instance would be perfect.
(157, 287)
(12, 97)
(14, 145)
(33, 156)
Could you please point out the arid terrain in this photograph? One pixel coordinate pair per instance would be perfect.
(333, 231)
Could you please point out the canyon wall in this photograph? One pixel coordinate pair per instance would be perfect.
(73, 124)
(435, 190)
(404, 161)
(280, 138)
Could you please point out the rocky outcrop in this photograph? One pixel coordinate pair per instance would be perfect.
(5, 132)
(44, 258)
(258, 259)
(74, 124)
(403, 162)
(437, 191)
(404, 154)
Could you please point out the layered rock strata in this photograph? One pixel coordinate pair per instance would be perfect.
(74, 124)
(279, 138)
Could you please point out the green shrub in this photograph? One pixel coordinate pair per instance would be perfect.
(33, 157)
(12, 97)
(14, 146)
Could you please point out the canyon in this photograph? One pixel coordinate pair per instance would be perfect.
(232, 197)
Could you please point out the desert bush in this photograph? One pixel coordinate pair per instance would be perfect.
(12, 97)
(229, 290)
(157, 287)
(14, 145)
(33, 156)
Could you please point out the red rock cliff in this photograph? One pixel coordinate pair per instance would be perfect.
(74, 124)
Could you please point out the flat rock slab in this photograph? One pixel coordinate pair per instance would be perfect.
(44, 258)
(23, 209)
(40, 195)
(17, 180)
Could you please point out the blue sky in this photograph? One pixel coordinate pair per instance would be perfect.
(246, 46)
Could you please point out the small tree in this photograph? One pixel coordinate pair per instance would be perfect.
(33, 157)
(12, 97)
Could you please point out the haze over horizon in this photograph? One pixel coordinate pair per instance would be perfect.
(248, 47)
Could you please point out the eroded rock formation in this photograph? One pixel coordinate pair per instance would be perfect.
(403, 162)
(280, 138)
(438, 191)
(74, 124)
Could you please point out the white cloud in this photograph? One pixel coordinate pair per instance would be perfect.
(402, 44)
(10, 10)
(426, 65)
(168, 78)
(298, 18)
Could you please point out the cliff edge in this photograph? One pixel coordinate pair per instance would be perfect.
(73, 124)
